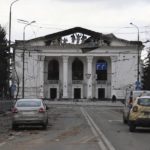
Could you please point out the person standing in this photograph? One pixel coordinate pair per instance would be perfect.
(114, 99)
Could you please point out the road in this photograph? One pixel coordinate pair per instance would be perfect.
(79, 128)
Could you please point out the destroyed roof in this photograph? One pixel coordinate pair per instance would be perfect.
(93, 34)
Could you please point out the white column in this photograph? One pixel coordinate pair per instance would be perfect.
(89, 76)
(40, 82)
(113, 74)
(65, 76)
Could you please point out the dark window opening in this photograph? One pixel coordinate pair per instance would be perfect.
(101, 70)
(53, 70)
(77, 70)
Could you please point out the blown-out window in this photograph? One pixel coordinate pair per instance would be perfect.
(101, 70)
(77, 70)
(53, 70)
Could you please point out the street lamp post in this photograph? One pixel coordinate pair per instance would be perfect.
(10, 21)
(138, 57)
(23, 57)
(9, 42)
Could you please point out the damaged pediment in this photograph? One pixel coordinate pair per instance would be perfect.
(76, 37)
(81, 38)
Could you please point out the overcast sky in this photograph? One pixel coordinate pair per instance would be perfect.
(105, 16)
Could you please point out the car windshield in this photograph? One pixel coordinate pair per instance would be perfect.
(144, 101)
(29, 103)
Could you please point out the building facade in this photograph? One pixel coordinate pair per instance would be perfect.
(74, 64)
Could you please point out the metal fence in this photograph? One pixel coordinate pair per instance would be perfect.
(6, 105)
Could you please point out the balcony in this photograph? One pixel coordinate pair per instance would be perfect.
(77, 81)
(52, 82)
(103, 82)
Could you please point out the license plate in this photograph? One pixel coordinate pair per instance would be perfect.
(146, 113)
(28, 113)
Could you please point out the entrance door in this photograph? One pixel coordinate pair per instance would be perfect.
(101, 93)
(53, 93)
(77, 93)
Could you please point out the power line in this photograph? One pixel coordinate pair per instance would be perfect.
(131, 32)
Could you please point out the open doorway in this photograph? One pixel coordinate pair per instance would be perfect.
(101, 93)
(77, 93)
(53, 93)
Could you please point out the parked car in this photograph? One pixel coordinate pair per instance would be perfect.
(29, 112)
(139, 115)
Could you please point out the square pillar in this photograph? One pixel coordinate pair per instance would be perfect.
(89, 76)
(65, 76)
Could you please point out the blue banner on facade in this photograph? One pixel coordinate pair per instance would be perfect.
(101, 66)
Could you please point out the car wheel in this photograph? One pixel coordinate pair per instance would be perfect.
(124, 120)
(44, 126)
(132, 127)
(14, 126)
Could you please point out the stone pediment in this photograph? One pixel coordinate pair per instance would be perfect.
(81, 38)
(77, 36)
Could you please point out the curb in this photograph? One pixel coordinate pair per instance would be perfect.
(86, 104)
(5, 113)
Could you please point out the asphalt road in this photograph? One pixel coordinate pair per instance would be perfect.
(109, 120)
(79, 128)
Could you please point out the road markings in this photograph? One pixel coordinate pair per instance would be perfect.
(100, 143)
(114, 120)
(103, 142)
(86, 140)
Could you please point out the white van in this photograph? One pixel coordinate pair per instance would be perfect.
(129, 99)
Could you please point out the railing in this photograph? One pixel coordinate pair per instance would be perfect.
(52, 82)
(77, 81)
(103, 82)
(61, 45)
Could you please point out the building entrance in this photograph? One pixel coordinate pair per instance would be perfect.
(77, 93)
(101, 93)
(53, 93)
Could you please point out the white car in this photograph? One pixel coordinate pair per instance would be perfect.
(139, 115)
(29, 112)
(131, 96)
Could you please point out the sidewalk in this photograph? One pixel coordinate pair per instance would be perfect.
(5, 105)
(5, 126)
(86, 103)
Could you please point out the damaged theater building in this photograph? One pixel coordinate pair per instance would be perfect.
(75, 64)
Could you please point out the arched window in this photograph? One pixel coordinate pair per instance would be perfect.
(77, 70)
(101, 70)
(53, 70)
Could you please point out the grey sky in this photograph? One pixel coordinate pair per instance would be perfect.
(106, 16)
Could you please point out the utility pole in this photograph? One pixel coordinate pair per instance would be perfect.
(138, 58)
